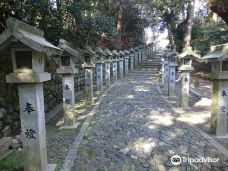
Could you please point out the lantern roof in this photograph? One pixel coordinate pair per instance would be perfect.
(80, 52)
(217, 53)
(136, 49)
(108, 52)
(171, 53)
(28, 35)
(68, 47)
(115, 53)
(140, 47)
(99, 51)
(126, 52)
(188, 52)
(121, 53)
(89, 51)
(164, 53)
(132, 50)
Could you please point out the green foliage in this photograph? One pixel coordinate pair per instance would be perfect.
(12, 162)
(208, 34)
(79, 21)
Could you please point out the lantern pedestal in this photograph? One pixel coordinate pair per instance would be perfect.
(89, 84)
(219, 104)
(99, 74)
(132, 61)
(140, 57)
(31, 101)
(172, 79)
(185, 80)
(163, 73)
(107, 73)
(68, 96)
(114, 70)
(136, 58)
(121, 68)
(126, 64)
(166, 74)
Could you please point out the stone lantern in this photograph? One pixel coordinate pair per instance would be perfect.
(115, 55)
(185, 68)
(108, 59)
(132, 51)
(151, 49)
(67, 70)
(121, 61)
(146, 53)
(218, 57)
(28, 50)
(165, 69)
(126, 61)
(172, 64)
(99, 68)
(136, 57)
(88, 65)
(141, 53)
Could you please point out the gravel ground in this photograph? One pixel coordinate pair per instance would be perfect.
(134, 129)
(201, 105)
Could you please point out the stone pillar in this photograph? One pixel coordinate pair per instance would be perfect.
(31, 102)
(166, 63)
(99, 75)
(132, 61)
(67, 73)
(120, 68)
(89, 84)
(136, 59)
(219, 104)
(172, 79)
(114, 71)
(163, 73)
(140, 56)
(126, 59)
(107, 73)
(185, 80)
(33, 132)
(68, 100)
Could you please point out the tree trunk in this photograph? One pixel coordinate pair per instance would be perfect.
(188, 26)
(220, 7)
(120, 25)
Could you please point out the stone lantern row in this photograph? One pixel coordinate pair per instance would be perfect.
(29, 50)
(218, 57)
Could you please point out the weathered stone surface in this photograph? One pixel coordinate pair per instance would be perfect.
(5, 143)
(6, 131)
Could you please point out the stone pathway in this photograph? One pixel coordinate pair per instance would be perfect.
(135, 129)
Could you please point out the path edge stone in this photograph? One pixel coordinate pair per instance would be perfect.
(71, 155)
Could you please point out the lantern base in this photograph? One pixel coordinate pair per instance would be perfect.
(186, 68)
(74, 126)
(67, 70)
(51, 167)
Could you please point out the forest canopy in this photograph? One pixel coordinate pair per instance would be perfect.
(120, 24)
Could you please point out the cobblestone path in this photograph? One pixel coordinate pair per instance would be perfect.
(135, 129)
